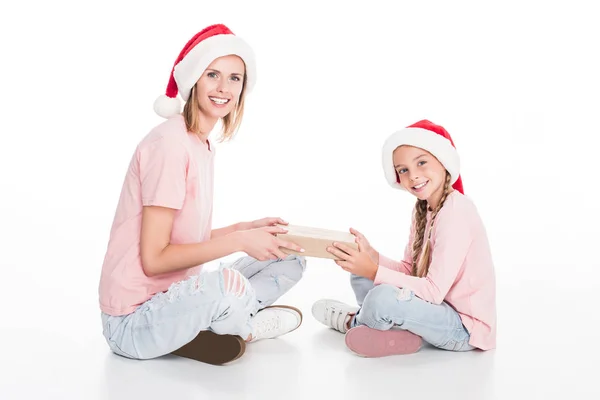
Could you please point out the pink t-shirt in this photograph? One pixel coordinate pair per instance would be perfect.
(461, 272)
(170, 168)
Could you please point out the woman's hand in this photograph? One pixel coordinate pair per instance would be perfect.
(263, 243)
(260, 223)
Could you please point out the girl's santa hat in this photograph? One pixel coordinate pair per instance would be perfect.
(427, 136)
(207, 45)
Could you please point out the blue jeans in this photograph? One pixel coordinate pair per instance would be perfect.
(385, 306)
(222, 301)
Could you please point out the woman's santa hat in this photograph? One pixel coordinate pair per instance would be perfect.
(207, 45)
(427, 136)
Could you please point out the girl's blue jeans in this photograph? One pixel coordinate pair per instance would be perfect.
(384, 307)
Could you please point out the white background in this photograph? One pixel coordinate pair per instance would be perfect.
(515, 83)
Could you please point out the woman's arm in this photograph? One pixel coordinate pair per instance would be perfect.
(215, 233)
(159, 256)
(243, 226)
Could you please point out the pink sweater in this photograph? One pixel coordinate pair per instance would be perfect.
(461, 272)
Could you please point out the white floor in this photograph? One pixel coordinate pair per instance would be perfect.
(546, 350)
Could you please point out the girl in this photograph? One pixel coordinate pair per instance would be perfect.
(443, 291)
(153, 297)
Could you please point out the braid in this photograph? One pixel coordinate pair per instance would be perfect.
(420, 222)
(423, 265)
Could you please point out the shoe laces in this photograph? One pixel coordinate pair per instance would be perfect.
(266, 325)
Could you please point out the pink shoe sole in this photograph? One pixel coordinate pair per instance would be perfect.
(367, 342)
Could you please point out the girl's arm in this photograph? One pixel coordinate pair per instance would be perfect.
(401, 266)
(452, 241)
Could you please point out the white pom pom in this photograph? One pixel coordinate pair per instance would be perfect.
(167, 106)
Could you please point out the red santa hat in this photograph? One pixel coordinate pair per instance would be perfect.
(427, 136)
(207, 45)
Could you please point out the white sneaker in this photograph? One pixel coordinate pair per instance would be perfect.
(333, 314)
(274, 321)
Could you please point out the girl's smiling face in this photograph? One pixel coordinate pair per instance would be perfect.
(420, 173)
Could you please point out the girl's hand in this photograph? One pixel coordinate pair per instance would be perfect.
(364, 244)
(357, 262)
(263, 244)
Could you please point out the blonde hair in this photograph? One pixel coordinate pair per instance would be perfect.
(231, 122)
(421, 256)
